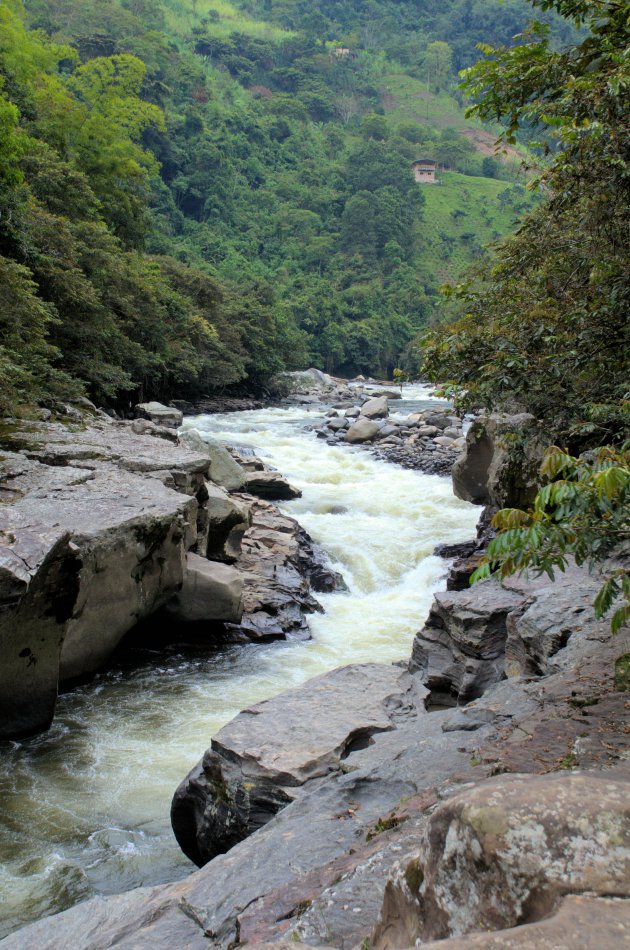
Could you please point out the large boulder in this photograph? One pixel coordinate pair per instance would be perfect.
(160, 414)
(461, 649)
(376, 408)
(260, 761)
(501, 461)
(210, 591)
(224, 522)
(270, 485)
(506, 851)
(93, 539)
(224, 470)
(363, 430)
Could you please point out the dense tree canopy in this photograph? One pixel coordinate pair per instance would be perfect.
(197, 195)
(545, 324)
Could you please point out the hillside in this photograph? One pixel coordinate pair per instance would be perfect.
(244, 172)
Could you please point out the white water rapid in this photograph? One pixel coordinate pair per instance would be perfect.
(84, 809)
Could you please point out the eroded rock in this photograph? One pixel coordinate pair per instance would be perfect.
(258, 762)
(210, 591)
(506, 851)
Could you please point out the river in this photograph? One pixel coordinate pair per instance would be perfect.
(84, 808)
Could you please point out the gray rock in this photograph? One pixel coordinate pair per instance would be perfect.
(336, 425)
(38, 589)
(444, 441)
(437, 419)
(145, 427)
(223, 469)
(428, 430)
(223, 521)
(352, 413)
(88, 511)
(210, 591)
(160, 414)
(545, 636)
(498, 468)
(259, 761)
(461, 649)
(377, 408)
(363, 430)
(388, 431)
(505, 851)
(270, 485)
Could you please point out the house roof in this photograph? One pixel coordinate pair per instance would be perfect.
(424, 161)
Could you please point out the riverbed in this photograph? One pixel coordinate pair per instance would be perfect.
(84, 809)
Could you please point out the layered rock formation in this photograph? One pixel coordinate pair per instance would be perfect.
(102, 527)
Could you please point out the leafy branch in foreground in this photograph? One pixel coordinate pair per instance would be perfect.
(583, 511)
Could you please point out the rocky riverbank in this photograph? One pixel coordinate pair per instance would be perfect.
(476, 796)
(105, 525)
(359, 413)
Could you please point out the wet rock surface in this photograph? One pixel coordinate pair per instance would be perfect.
(316, 873)
(392, 816)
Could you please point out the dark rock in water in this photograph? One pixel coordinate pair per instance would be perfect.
(280, 566)
(259, 762)
(270, 485)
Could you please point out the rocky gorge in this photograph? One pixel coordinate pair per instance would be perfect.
(474, 793)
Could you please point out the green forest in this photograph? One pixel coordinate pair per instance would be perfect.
(197, 194)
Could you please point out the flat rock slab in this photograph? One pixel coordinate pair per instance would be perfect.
(304, 732)
(256, 763)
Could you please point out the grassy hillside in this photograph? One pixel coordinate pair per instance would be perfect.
(462, 215)
(222, 19)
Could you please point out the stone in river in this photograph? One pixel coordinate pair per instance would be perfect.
(270, 485)
(338, 424)
(160, 414)
(377, 408)
(363, 430)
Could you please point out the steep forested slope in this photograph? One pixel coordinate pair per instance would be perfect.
(198, 193)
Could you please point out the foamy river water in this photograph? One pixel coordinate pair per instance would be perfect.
(84, 809)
